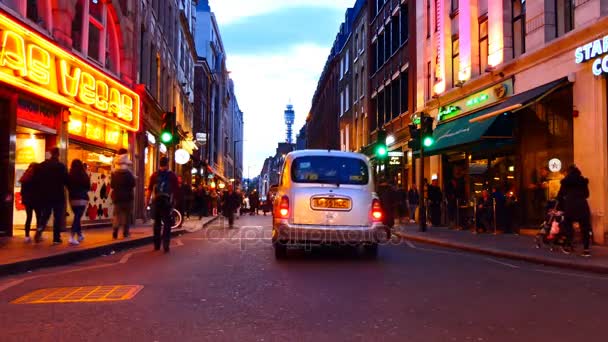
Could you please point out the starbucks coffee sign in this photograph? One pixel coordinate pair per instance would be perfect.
(597, 51)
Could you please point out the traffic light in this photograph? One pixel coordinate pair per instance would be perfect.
(426, 130)
(167, 128)
(414, 142)
(381, 150)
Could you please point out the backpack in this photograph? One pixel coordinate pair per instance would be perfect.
(163, 184)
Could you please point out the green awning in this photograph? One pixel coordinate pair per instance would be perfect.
(462, 131)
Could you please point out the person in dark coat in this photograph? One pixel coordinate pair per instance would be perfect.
(230, 202)
(29, 198)
(484, 212)
(413, 200)
(52, 179)
(572, 197)
(500, 201)
(254, 202)
(79, 185)
(387, 196)
(435, 198)
(122, 184)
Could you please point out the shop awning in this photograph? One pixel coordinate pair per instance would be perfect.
(479, 125)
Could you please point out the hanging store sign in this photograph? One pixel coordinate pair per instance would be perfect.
(597, 50)
(33, 64)
(182, 156)
(476, 101)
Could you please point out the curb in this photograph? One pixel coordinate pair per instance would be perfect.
(506, 254)
(82, 254)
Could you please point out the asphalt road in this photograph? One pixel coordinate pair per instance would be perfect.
(224, 285)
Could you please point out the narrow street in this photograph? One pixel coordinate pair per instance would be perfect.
(220, 285)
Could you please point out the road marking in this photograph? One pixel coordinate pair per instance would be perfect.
(178, 242)
(502, 263)
(11, 284)
(569, 274)
(125, 258)
(410, 244)
(83, 294)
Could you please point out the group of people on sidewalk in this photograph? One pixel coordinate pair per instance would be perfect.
(493, 209)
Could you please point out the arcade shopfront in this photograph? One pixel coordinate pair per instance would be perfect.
(50, 97)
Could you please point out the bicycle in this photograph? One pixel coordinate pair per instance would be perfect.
(176, 217)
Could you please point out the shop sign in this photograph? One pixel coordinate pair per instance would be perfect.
(394, 161)
(182, 156)
(597, 49)
(32, 63)
(37, 112)
(395, 154)
(97, 131)
(476, 101)
(201, 137)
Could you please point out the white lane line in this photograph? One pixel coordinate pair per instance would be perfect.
(410, 244)
(125, 258)
(10, 284)
(568, 274)
(502, 263)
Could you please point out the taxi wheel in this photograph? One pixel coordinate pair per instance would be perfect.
(371, 250)
(280, 251)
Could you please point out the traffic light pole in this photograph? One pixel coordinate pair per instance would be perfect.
(422, 207)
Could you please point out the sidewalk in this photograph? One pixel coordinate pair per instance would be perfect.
(510, 246)
(17, 256)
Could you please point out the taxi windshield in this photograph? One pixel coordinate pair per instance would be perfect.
(329, 170)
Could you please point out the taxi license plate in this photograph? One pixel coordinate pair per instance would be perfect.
(331, 203)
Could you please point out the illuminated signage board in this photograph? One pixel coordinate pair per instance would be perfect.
(597, 50)
(476, 101)
(30, 62)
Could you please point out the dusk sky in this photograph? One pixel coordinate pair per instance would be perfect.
(275, 53)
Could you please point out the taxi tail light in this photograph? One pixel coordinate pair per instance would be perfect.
(376, 212)
(284, 207)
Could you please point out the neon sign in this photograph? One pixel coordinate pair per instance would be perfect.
(591, 50)
(30, 62)
(476, 101)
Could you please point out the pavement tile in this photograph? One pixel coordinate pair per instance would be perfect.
(507, 245)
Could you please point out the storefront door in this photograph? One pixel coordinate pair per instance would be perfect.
(7, 165)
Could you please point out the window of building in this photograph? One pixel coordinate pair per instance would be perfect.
(455, 59)
(564, 17)
(374, 56)
(346, 61)
(374, 119)
(341, 67)
(381, 50)
(38, 11)
(396, 42)
(380, 100)
(341, 103)
(379, 4)
(356, 42)
(404, 30)
(436, 15)
(519, 27)
(388, 110)
(454, 6)
(395, 98)
(403, 90)
(482, 7)
(483, 44)
(347, 98)
(95, 33)
(428, 18)
(356, 88)
(428, 80)
(361, 86)
(387, 42)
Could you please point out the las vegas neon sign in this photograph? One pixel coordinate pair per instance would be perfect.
(36, 65)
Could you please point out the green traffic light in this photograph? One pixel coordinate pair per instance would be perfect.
(428, 141)
(166, 137)
(381, 151)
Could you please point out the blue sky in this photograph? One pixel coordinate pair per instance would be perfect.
(276, 50)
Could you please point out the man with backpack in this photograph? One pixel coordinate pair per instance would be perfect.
(163, 188)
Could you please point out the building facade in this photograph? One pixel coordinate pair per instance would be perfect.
(67, 74)
(518, 92)
(391, 60)
(345, 94)
(360, 119)
(165, 84)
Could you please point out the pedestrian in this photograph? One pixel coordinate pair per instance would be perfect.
(413, 200)
(254, 202)
(435, 198)
(500, 204)
(230, 203)
(52, 179)
(387, 196)
(214, 199)
(184, 201)
(122, 185)
(79, 185)
(572, 196)
(29, 198)
(484, 212)
(163, 189)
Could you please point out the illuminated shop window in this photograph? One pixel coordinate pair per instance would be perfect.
(95, 33)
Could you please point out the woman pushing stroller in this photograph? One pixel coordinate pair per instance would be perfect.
(572, 197)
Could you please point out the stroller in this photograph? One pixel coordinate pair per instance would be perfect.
(552, 231)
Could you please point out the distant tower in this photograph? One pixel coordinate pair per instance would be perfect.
(290, 116)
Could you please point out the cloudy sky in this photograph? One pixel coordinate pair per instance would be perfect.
(276, 51)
